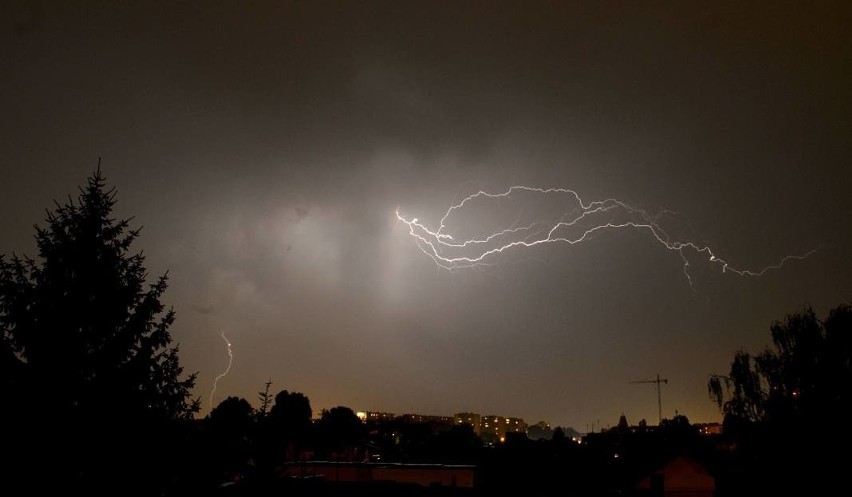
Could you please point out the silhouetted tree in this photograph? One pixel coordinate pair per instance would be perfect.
(807, 377)
(789, 405)
(540, 431)
(740, 395)
(340, 430)
(283, 433)
(678, 432)
(230, 426)
(265, 400)
(79, 323)
(459, 444)
(290, 423)
(232, 418)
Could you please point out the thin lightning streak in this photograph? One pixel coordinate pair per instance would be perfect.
(228, 369)
(450, 253)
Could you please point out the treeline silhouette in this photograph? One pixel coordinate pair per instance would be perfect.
(95, 402)
(249, 447)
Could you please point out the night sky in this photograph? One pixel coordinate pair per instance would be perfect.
(267, 146)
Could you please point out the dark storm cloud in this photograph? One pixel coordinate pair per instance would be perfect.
(265, 148)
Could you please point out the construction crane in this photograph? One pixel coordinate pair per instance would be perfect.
(658, 380)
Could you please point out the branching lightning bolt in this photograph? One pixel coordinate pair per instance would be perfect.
(579, 223)
(224, 373)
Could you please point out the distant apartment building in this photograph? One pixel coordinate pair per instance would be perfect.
(469, 418)
(427, 419)
(386, 417)
(376, 417)
(491, 428)
(494, 428)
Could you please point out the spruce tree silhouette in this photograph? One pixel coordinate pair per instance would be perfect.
(87, 358)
